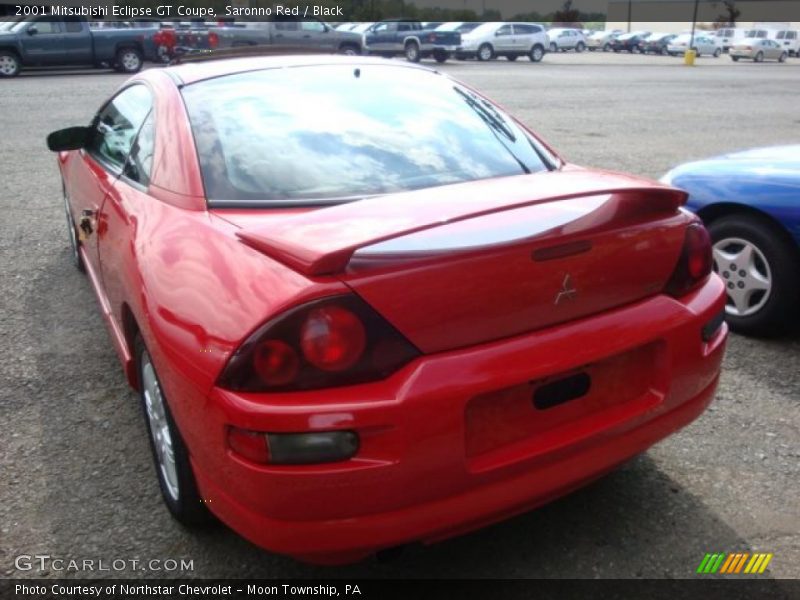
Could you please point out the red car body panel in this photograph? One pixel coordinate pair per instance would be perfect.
(437, 455)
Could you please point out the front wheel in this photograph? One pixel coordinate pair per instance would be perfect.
(129, 60)
(9, 64)
(782, 57)
(412, 52)
(553, 47)
(173, 469)
(735, 58)
(606, 47)
(485, 52)
(758, 265)
(717, 52)
(536, 54)
(349, 50)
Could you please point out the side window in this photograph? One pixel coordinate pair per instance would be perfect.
(403, 27)
(313, 26)
(72, 26)
(520, 29)
(791, 35)
(504, 30)
(286, 25)
(140, 162)
(116, 125)
(45, 26)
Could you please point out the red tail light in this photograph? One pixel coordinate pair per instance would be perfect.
(329, 342)
(694, 264)
(332, 338)
(213, 40)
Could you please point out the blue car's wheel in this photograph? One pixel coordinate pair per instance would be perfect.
(759, 267)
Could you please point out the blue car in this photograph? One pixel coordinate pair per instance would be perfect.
(750, 202)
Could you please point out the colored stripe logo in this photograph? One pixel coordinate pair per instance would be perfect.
(735, 563)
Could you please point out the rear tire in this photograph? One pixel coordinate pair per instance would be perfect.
(606, 47)
(782, 57)
(553, 47)
(536, 54)
(759, 57)
(580, 47)
(173, 469)
(485, 52)
(412, 52)
(717, 52)
(735, 58)
(9, 64)
(777, 264)
(440, 56)
(129, 60)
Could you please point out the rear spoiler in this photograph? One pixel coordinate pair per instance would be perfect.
(322, 242)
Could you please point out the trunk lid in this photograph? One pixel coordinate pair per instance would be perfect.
(490, 259)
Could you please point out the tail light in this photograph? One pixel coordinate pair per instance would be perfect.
(334, 341)
(165, 37)
(213, 40)
(694, 264)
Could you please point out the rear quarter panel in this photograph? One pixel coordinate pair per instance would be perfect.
(771, 189)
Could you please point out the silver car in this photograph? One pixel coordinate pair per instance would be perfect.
(758, 50)
(702, 44)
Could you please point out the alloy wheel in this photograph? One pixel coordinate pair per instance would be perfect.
(159, 427)
(8, 66)
(746, 273)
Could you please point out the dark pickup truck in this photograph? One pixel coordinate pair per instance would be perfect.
(69, 41)
(412, 39)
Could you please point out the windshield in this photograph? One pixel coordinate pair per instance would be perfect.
(324, 134)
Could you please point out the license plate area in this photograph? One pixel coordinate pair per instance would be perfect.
(564, 389)
(538, 416)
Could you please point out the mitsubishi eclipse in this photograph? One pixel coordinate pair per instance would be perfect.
(363, 306)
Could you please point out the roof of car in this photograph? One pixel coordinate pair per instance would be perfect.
(192, 72)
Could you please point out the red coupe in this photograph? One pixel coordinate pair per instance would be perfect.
(364, 306)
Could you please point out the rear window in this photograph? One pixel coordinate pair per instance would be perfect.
(317, 134)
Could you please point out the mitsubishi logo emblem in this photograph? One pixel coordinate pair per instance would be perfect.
(567, 291)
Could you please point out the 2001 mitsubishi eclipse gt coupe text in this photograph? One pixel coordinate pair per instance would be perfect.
(364, 306)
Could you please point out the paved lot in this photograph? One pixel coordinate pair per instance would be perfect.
(77, 480)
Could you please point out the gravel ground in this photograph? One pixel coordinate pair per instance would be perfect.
(77, 479)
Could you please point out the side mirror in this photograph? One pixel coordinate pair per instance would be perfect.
(71, 138)
(32, 30)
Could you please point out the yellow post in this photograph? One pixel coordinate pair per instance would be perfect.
(688, 58)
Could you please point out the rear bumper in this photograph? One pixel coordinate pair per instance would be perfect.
(426, 469)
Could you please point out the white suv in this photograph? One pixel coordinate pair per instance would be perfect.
(511, 40)
(566, 39)
(789, 39)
